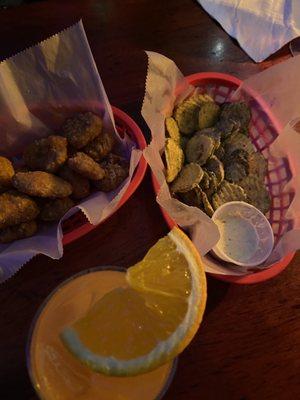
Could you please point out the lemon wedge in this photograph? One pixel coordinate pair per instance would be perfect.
(136, 328)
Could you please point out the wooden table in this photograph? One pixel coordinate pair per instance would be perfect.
(249, 344)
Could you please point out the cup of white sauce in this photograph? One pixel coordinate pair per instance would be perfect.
(246, 236)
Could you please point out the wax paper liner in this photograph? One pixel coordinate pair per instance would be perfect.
(39, 88)
(273, 96)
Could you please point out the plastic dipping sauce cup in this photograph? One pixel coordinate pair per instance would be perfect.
(246, 236)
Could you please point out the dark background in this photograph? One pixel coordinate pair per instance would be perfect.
(248, 347)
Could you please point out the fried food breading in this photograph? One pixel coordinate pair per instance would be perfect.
(227, 128)
(236, 112)
(256, 192)
(236, 165)
(186, 113)
(46, 154)
(192, 197)
(238, 141)
(174, 159)
(213, 184)
(208, 114)
(16, 232)
(213, 164)
(220, 152)
(228, 192)
(116, 171)
(188, 178)
(41, 184)
(15, 208)
(85, 166)
(205, 181)
(100, 147)
(82, 128)
(235, 172)
(207, 207)
(199, 148)
(6, 173)
(114, 159)
(213, 133)
(183, 142)
(258, 165)
(80, 185)
(172, 129)
(54, 210)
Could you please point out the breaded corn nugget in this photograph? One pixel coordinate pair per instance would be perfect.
(6, 173)
(100, 146)
(41, 184)
(82, 128)
(53, 210)
(80, 185)
(86, 166)
(15, 208)
(46, 154)
(21, 231)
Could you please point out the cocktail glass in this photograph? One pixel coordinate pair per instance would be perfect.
(55, 373)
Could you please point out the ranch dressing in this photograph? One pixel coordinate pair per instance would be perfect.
(238, 237)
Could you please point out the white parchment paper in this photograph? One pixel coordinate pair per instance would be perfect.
(279, 88)
(39, 88)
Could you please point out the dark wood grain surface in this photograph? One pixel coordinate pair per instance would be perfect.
(248, 347)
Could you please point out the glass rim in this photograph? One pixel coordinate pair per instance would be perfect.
(40, 309)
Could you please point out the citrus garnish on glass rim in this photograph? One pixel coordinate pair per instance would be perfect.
(136, 328)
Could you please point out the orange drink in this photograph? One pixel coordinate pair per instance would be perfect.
(56, 374)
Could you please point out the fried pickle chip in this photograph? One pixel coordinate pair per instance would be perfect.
(238, 141)
(85, 166)
(80, 185)
(41, 184)
(172, 129)
(228, 192)
(100, 147)
(208, 115)
(237, 156)
(220, 152)
(192, 197)
(82, 128)
(214, 165)
(20, 231)
(54, 210)
(186, 113)
(6, 173)
(236, 112)
(207, 207)
(188, 178)
(256, 192)
(115, 174)
(16, 208)
(236, 165)
(227, 128)
(235, 172)
(183, 142)
(174, 159)
(46, 154)
(213, 184)
(258, 165)
(205, 181)
(213, 133)
(199, 148)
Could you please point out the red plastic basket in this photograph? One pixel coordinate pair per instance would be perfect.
(264, 129)
(77, 225)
